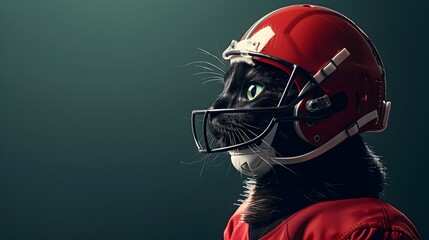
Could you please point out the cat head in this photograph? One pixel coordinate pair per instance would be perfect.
(301, 81)
(246, 87)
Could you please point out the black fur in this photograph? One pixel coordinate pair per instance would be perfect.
(350, 170)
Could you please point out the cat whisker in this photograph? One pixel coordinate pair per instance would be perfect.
(212, 79)
(199, 64)
(263, 141)
(204, 67)
(202, 167)
(254, 148)
(232, 137)
(271, 159)
(251, 126)
(209, 73)
(243, 135)
(212, 55)
(210, 157)
(196, 161)
(217, 155)
(205, 160)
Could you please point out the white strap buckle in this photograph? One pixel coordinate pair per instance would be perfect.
(352, 130)
(244, 46)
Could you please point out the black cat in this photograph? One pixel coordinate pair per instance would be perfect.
(303, 82)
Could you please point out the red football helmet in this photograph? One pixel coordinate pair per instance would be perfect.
(320, 49)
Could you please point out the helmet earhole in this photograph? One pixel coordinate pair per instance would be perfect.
(339, 102)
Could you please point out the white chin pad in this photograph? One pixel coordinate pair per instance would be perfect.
(250, 164)
(254, 163)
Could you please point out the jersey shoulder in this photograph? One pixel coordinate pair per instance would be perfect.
(362, 218)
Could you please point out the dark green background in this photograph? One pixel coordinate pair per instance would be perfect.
(94, 114)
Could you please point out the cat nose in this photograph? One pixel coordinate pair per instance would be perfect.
(218, 104)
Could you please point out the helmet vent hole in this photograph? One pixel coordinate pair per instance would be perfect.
(316, 138)
(339, 102)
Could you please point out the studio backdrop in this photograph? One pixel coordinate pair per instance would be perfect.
(95, 104)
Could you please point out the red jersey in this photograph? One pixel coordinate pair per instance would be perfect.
(351, 219)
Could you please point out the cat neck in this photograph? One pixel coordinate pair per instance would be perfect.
(350, 170)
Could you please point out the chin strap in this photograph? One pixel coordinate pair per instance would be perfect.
(340, 137)
(256, 162)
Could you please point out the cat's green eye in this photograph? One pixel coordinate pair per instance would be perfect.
(253, 91)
